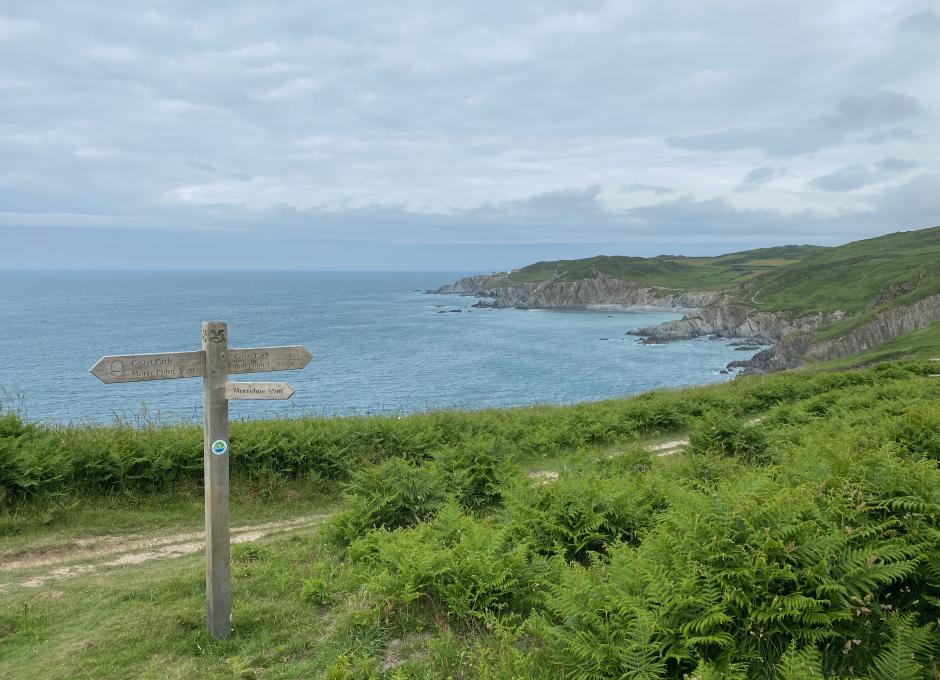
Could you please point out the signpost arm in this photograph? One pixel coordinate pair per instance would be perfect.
(216, 458)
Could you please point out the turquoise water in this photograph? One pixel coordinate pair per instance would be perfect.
(380, 345)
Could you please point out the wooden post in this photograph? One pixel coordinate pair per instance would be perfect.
(216, 457)
(213, 364)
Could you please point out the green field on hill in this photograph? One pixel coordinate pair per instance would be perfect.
(779, 527)
(853, 276)
(864, 280)
(670, 271)
(889, 270)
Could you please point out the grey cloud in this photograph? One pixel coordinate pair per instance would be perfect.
(863, 111)
(845, 179)
(430, 124)
(381, 237)
(893, 164)
(563, 207)
(858, 176)
(887, 135)
(927, 21)
(915, 203)
(852, 114)
(758, 177)
(651, 188)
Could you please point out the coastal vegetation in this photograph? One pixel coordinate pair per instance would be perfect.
(801, 278)
(792, 530)
(870, 275)
(669, 271)
(814, 304)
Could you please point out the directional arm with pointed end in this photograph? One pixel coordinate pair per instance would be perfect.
(258, 390)
(264, 359)
(136, 367)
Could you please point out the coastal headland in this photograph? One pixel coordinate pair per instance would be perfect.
(812, 304)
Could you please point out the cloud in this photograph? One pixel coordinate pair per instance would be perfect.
(430, 124)
(892, 164)
(852, 114)
(857, 176)
(913, 204)
(758, 177)
(845, 179)
(19, 29)
(635, 187)
(927, 21)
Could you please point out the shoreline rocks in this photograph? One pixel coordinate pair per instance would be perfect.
(601, 293)
(714, 314)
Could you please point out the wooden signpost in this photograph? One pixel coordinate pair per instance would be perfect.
(213, 363)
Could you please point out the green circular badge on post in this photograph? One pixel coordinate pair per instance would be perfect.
(219, 447)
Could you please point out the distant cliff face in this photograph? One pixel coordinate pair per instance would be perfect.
(709, 313)
(797, 348)
(733, 320)
(600, 291)
(482, 285)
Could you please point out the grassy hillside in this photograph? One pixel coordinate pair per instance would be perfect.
(893, 269)
(899, 268)
(670, 271)
(805, 545)
(862, 278)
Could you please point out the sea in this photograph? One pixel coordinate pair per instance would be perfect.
(381, 345)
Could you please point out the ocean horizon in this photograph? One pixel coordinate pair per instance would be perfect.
(381, 344)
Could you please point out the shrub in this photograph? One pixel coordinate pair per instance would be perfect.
(703, 473)
(39, 460)
(316, 589)
(800, 664)
(918, 431)
(654, 412)
(720, 434)
(632, 461)
(247, 553)
(597, 628)
(467, 567)
(474, 472)
(390, 495)
(11, 425)
(576, 516)
(729, 580)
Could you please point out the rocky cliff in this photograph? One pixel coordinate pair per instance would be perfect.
(713, 313)
(482, 285)
(798, 347)
(598, 292)
(731, 320)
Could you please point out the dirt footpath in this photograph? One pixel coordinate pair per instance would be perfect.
(668, 448)
(85, 556)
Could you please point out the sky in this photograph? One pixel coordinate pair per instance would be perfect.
(472, 136)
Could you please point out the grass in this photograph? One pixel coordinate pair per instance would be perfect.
(148, 622)
(52, 522)
(854, 277)
(815, 528)
(800, 279)
(676, 272)
(861, 279)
